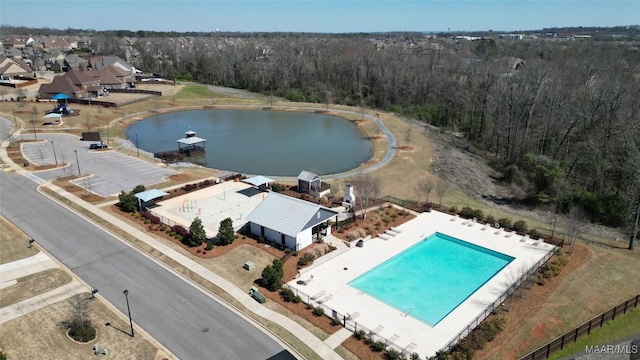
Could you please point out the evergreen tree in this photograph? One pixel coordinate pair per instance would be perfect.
(226, 235)
(272, 275)
(127, 202)
(197, 235)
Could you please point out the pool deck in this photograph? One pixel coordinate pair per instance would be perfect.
(328, 281)
(213, 204)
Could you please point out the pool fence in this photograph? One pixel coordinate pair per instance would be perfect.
(572, 336)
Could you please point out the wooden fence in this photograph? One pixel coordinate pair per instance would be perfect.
(572, 336)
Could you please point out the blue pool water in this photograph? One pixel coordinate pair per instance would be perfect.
(433, 277)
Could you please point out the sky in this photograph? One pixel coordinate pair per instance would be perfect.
(327, 16)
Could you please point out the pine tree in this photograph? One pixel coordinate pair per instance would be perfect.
(226, 235)
(197, 235)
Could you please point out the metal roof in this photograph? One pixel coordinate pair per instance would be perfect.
(258, 180)
(288, 215)
(191, 140)
(150, 195)
(308, 176)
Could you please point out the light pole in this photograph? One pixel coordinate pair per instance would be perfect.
(137, 148)
(126, 295)
(77, 162)
(54, 153)
(378, 123)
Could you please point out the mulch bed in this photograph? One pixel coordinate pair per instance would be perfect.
(66, 184)
(362, 350)
(374, 222)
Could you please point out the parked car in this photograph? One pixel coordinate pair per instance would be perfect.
(99, 145)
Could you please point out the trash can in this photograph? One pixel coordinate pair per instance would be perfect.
(25, 163)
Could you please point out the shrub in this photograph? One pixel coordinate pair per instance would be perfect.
(180, 230)
(295, 253)
(467, 212)
(377, 346)
(520, 226)
(147, 221)
(208, 183)
(392, 354)
(180, 238)
(490, 220)
(360, 334)
(414, 356)
(272, 275)
(277, 187)
(154, 219)
(172, 233)
(225, 232)
(162, 228)
(336, 322)
(505, 223)
(309, 306)
(199, 251)
(305, 259)
(287, 295)
(209, 246)
(318, 311)
(83, 332)
(453, 209)
(534, 234)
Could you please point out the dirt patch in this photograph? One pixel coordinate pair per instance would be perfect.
(180, 177)
(66, 184)
(362, 350)
(13, 243)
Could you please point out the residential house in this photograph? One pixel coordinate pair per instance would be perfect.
(15, 41)
(13, 53)
(75, 83)
(74, 61)
(11, 68)
(290, 222)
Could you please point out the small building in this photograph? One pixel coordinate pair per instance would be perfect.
(291, 222)
(310, 183)
(191, 143)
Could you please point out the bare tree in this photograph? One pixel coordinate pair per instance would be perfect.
(442, 188)
(424, 187)
(552, 219)
(368, 188)
(79, 316)
(42, 152)
(576, 224)
(328, 98)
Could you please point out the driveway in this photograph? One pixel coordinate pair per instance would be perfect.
(112, 171)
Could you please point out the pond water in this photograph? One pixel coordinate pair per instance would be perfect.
(259, 142)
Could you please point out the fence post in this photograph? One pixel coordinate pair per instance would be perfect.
(575, 338)
(602, 320)
(548, 350)
(562, 343)
(589, 328)
(614, 313)
(625, 307)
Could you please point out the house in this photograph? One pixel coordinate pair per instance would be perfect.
(289, 221)
(14, 53)
(10, 68)
(310, 183)
(74, 61)
(15, 41)
(75, 83)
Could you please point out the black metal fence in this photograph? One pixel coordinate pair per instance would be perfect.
(572, 336)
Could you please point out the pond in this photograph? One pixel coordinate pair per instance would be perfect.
(272, 143)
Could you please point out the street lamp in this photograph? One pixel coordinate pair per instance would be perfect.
(77, 162)
(54, 153)
(137, 148)
(126, 295)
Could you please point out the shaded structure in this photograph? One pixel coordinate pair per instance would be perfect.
(187, 146)
(310, 183)
(261, 182)
(146, 199)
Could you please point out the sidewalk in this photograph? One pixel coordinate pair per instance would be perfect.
(27, 266)
(323, 350)
(40, 301)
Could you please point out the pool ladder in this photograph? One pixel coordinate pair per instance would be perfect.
(406, 312)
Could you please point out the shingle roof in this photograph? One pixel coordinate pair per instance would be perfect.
(288, 215)
(60, 84)
(78, 77)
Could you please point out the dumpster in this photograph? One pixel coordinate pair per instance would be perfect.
(256, 295)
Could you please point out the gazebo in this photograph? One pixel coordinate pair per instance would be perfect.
(191, 143)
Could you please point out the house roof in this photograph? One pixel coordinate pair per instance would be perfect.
(107, 78)
(258, 180)
(288, 215)
(13, 66)
(60, 84)
(308, 176)
(78, 77)
(150, 194)
(116, 71)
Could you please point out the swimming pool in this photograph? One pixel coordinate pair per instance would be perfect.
(430, 279)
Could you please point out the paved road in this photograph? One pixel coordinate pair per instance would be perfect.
(172, 311)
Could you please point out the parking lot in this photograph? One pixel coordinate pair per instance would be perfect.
(111, 171)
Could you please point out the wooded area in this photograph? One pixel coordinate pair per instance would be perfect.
(560, 118)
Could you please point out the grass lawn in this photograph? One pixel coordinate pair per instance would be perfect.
(40, 335)
(32, 285)
(619, 328)
(191, 91)
(14, 244)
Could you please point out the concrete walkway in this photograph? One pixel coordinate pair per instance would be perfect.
(323, 350)
(27, 266)
(338, 338)
(40, 301)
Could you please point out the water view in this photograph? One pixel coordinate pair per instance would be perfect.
(259, 142)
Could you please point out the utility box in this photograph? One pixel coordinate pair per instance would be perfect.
(249, 265)
(256, 295)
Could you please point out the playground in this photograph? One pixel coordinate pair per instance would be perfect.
(228, 199)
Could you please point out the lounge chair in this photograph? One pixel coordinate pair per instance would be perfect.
(498, 231)
(484, 227)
